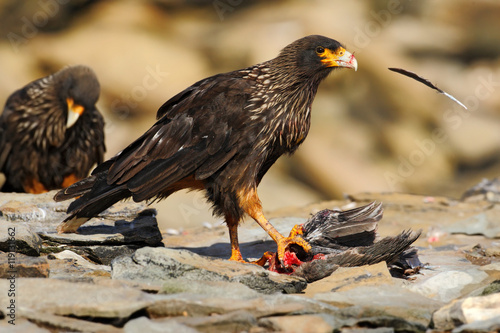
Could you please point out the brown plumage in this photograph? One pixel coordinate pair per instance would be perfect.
(220, 135)
(51, 133)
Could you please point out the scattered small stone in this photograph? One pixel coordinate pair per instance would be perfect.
(477, 256)
(172, 232)
(485, 190)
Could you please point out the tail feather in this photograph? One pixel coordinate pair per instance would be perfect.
(94, 202)
(94, 195)
(77, 189)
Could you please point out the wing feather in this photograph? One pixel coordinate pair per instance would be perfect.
(193, 136)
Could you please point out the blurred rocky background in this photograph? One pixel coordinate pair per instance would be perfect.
(373, 130)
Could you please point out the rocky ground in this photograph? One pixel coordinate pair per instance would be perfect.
(121, 273)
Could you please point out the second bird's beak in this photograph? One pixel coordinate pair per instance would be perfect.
(74, 112)
(340, 58)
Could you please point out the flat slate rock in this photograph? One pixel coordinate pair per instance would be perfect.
(123, 223)
(386, 300)
(468, 311)
(66, 324)
(64, 298)
(192, 305)
(161, 264)
(19, 238)
(141, 230)
(23, 266)
(144, 324)
(485, 223)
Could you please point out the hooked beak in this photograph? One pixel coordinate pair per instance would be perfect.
(74, 112)
(340, 58)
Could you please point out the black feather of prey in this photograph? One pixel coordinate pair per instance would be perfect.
(427, 83)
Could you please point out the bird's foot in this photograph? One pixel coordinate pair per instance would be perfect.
(285, 243)
(296, 231)
(236, 256)
(264, 259)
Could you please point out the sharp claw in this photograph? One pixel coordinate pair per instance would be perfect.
(284, 243)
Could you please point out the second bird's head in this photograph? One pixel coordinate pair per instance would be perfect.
(80, 91)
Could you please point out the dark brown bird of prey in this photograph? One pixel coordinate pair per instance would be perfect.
(221, 135)
(51, 134)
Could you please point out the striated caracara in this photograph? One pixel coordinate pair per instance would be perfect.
(51, 134)
(220, 135)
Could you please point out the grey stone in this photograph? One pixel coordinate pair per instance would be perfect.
(144, 324)
(74, 299)
(467, 311)
(23, 266)
(160, 264)
(80, 261)
(71, 270)
(386, 301)
(310, 323)
(193, 305)
(492, 288)
(368, 330)
(141, 230)
(40, 211)
(484, 223)
(346, 278)
(105, 254)
(449, 284)
(123, 223)
(481, 326)
(17, 237)
(67, 324)
(389, 324)
(237, 321)
(21, 211)
(22, 325)
(209, 288)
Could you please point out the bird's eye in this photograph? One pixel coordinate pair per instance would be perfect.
(320, 50)
(341, 53)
